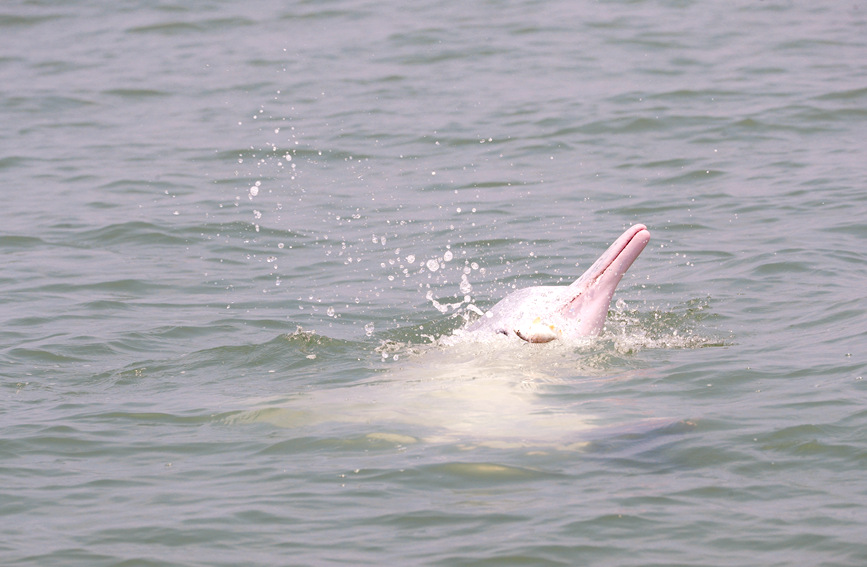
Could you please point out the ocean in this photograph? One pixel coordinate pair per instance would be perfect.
(240, 242)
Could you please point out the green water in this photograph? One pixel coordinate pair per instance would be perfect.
(237, 238)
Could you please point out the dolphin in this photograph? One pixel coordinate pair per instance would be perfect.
(543, 313)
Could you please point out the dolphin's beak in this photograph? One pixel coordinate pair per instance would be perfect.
(594, 289)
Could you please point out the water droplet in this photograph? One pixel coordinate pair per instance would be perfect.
(465, 286)
(433, 265)
(369, 329)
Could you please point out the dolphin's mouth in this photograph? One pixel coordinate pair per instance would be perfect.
(591, 293)
(610, 267)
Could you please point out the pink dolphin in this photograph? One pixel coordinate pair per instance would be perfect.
(544, 313)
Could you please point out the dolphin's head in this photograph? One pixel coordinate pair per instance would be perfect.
(544, 313)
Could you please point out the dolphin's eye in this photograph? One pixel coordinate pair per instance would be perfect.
(503, 332)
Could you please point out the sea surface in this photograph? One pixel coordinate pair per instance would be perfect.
(237, 239)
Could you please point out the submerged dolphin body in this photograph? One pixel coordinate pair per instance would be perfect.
(544, 313)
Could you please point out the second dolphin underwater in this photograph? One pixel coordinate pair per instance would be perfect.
(543, 313)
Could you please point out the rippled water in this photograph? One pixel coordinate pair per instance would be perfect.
(237, 237)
